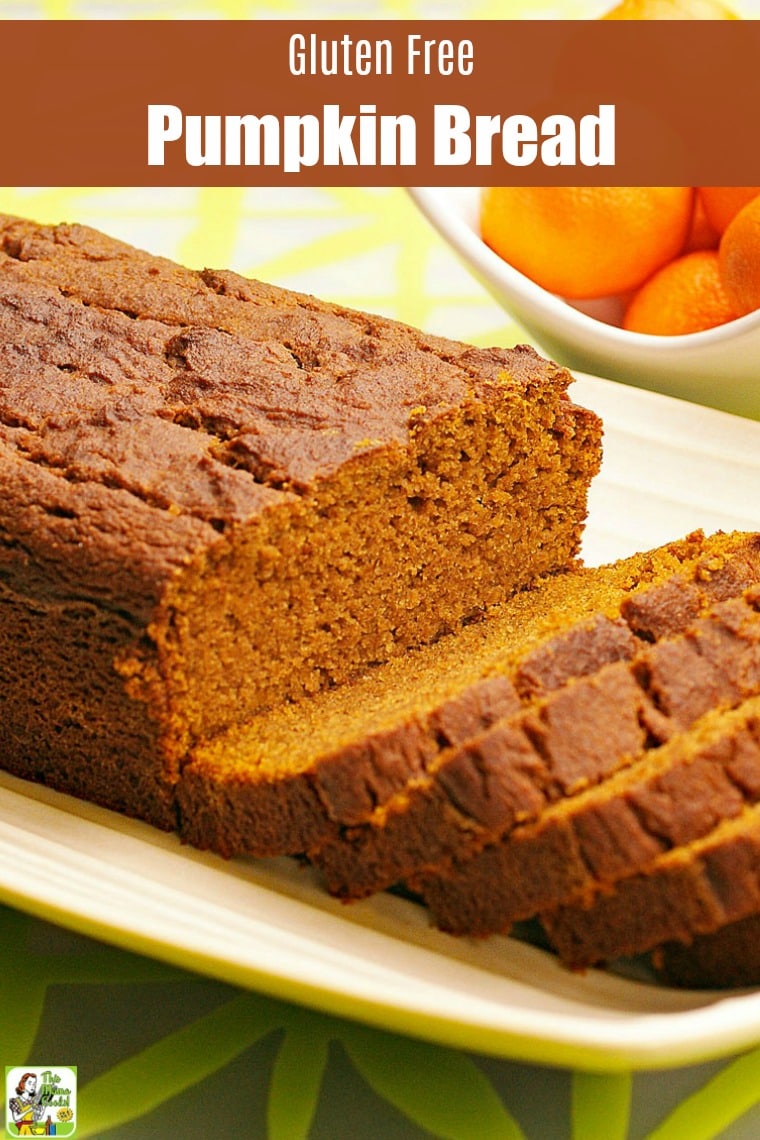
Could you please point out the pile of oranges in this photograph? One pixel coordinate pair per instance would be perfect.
(682, 259)
(679, 258)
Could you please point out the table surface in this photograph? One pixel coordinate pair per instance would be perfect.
(163, 1052)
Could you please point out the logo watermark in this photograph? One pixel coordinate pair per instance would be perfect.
(40, 1100)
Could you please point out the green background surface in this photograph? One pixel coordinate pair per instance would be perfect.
(161, 1052)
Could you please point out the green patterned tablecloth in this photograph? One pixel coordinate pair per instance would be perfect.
(163, 1053)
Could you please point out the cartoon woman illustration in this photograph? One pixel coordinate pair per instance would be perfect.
(25, 1106)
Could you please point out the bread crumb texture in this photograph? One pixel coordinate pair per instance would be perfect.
(221, 497)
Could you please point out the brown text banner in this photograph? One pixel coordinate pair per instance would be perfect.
(142, 103)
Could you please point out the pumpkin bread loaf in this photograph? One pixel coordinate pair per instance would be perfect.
(707, 874)
(729, 957)
(581, 846)
(219, 497)
(693, 890)
(294, 578)
(301, 778)
(593, 719)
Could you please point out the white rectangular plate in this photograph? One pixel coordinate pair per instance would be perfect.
(669, 468)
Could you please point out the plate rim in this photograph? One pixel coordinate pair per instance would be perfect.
(722, 1023)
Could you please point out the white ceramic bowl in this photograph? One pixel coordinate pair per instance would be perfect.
(719, 367)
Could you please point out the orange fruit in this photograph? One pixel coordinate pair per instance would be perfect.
(670, 10)
(586, 241)
(702, 235)
(685, 296)
(740, 258)
(723, 203)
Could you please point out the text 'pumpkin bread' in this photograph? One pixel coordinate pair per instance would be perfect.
(219, 497)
